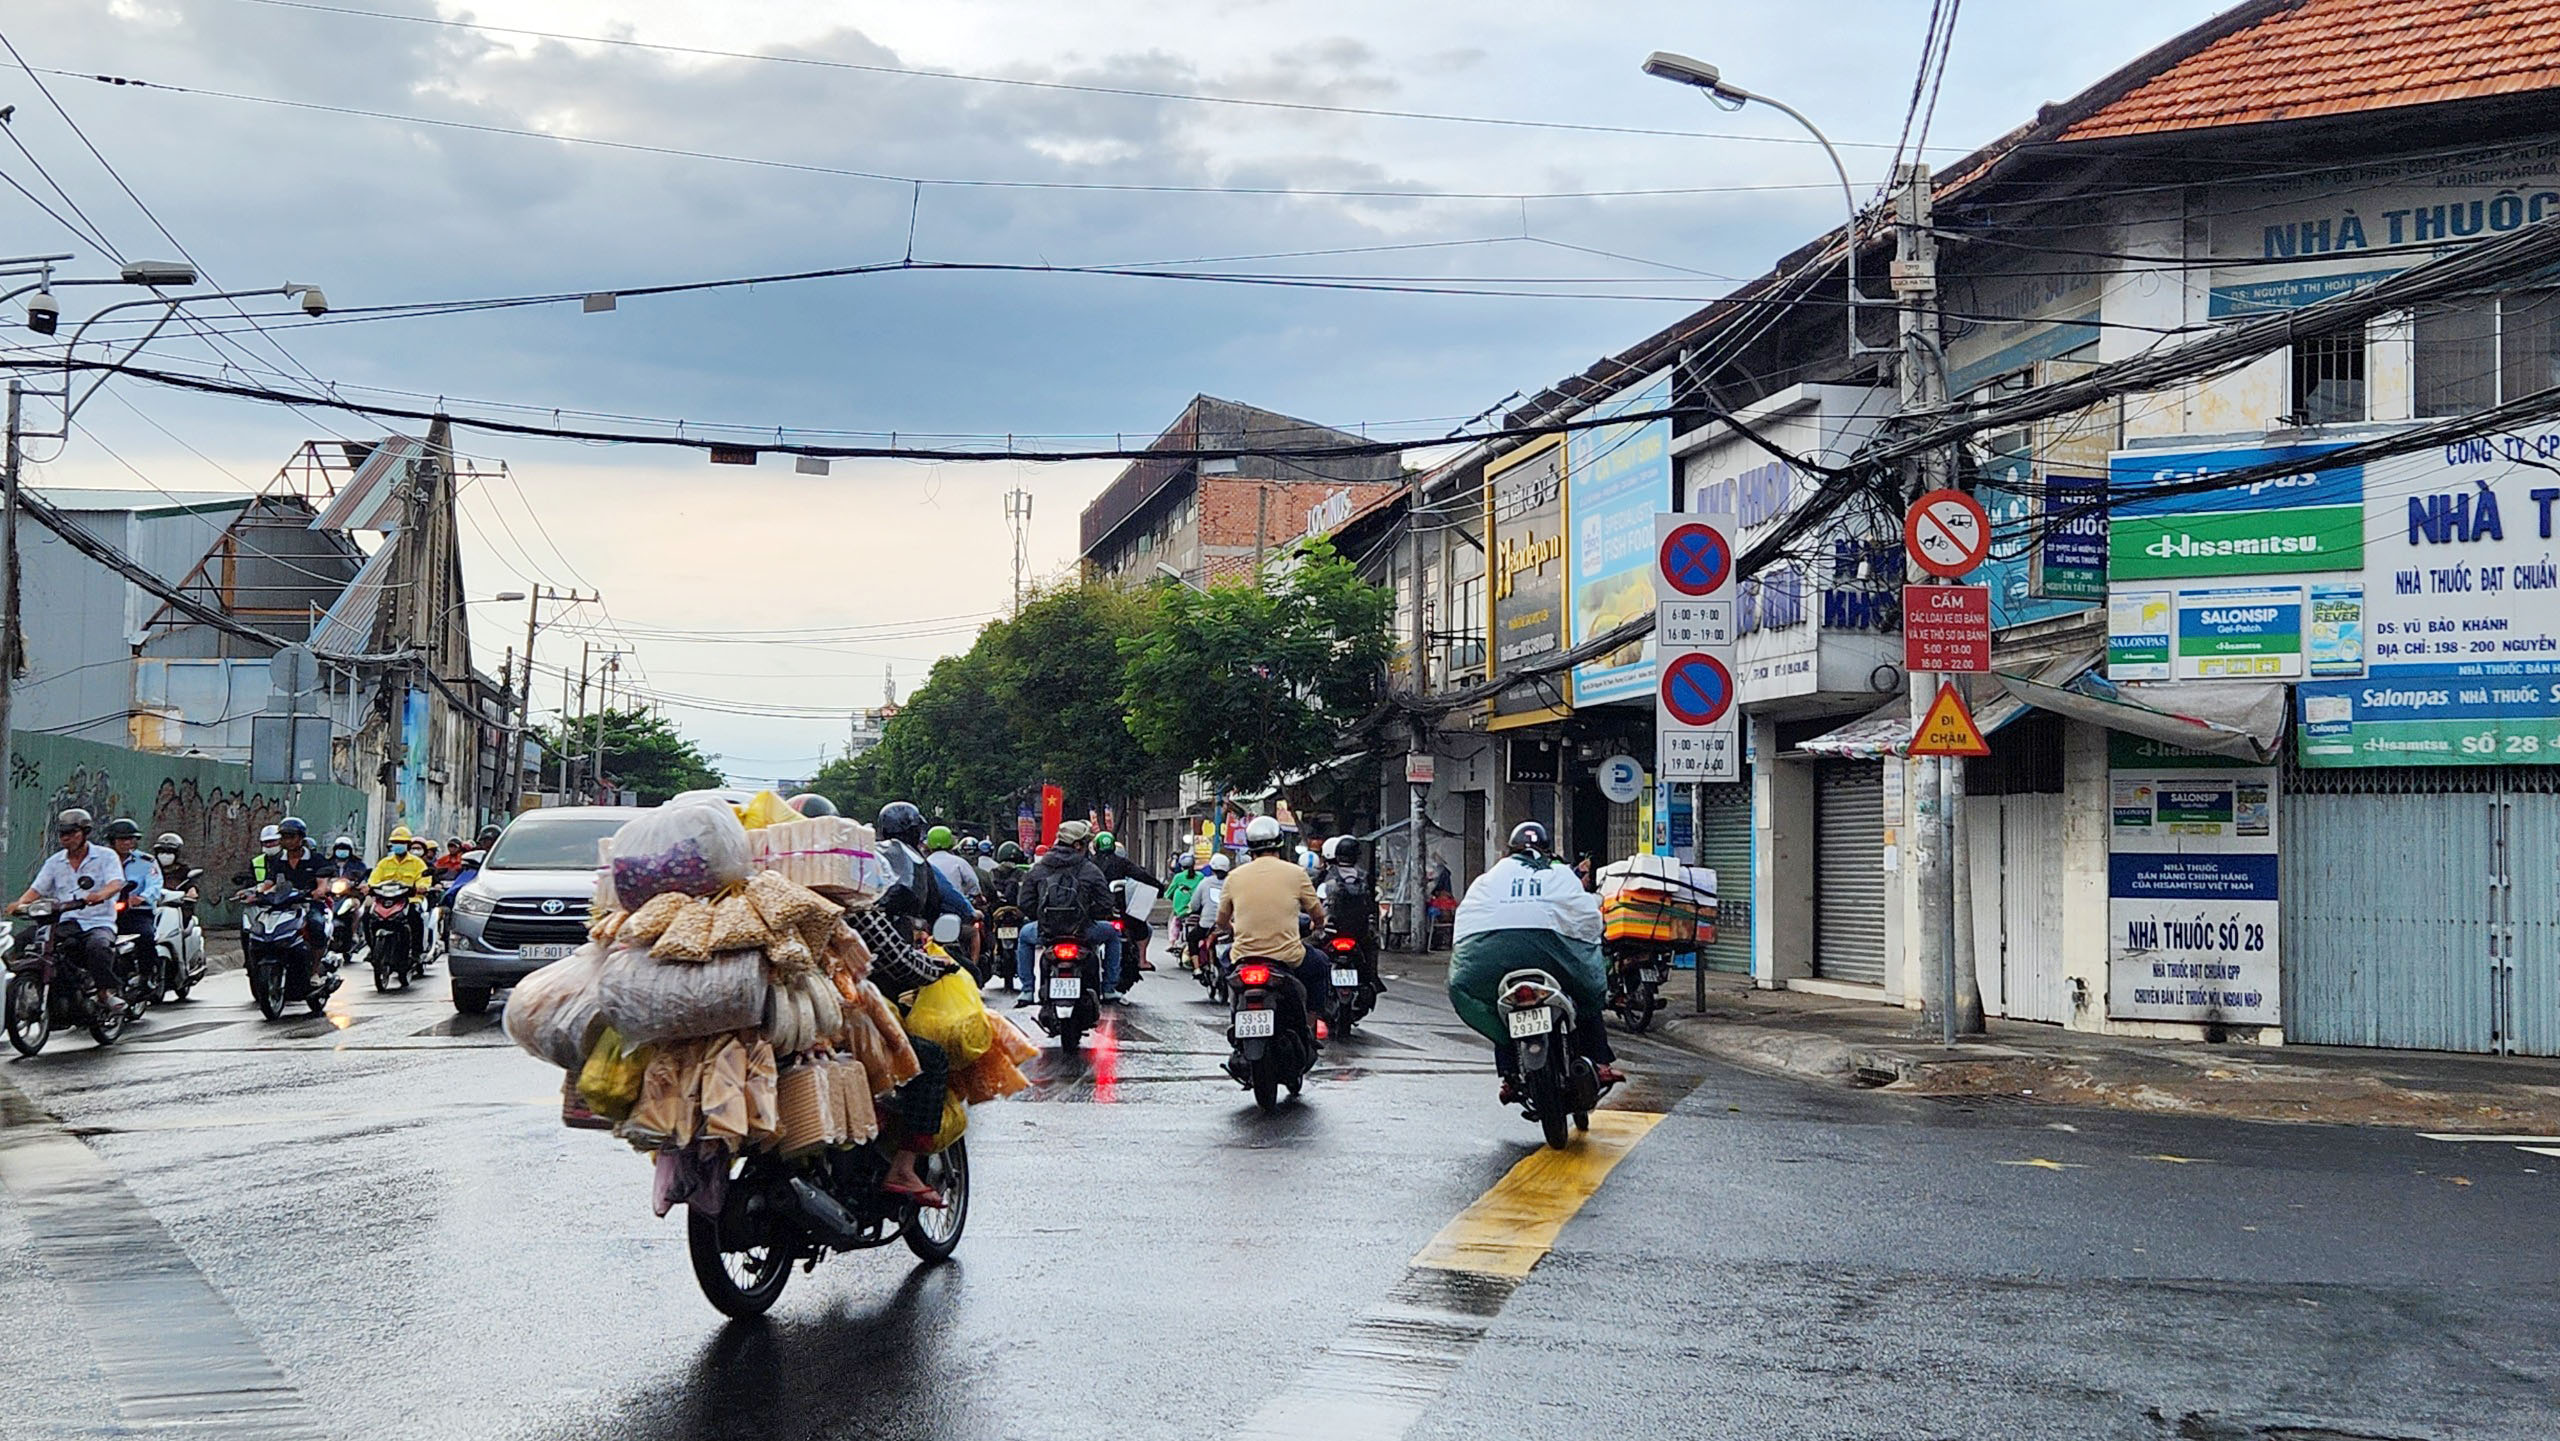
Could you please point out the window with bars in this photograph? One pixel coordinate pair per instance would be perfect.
(2328, 379)
(2472, 354)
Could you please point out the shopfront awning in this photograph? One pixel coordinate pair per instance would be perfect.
(2241, 719)
(1886, 730)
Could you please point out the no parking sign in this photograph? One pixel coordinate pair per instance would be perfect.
(1697, 731)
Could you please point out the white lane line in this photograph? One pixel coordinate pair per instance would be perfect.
(2462, 1137)
(2541, 1150)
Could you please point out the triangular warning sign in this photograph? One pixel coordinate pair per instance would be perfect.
(1948, 729)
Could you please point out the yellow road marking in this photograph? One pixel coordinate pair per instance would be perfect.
(2177, 1160)
(2041, 1164)
(1510, 1228)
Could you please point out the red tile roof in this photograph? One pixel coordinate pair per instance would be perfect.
(2336, 57)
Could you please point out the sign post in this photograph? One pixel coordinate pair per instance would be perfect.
(1947, 535)
(1696, 728)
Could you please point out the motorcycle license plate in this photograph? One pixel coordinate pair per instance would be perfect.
(1066, 988)
(1657, 974)
(1008, 934)
(1257, 1023)
(1530, 1023)
(546, 952)
(1346, 976)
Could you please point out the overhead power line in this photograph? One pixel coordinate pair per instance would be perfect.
(1024, 83)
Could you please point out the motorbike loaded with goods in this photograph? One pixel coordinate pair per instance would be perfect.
(1651, 909)
(49, 985)
(751, 1012)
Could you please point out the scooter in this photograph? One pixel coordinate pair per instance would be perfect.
(346, 917)
(49, 987)
(1353, 995)
(1557, 1085)
(178, 941)
(1265, 1055)
(1070, 980)
(281, 964)
(395, 954)
(1637, 973)
(773, 1212)
(1007, 924)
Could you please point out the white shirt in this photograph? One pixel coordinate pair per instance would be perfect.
(59, 880)
(962, 876)
(1515, 897)
(1204, 901)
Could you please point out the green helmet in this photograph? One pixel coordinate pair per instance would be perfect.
(938, 839)
(1103, 843)
(1010, 853)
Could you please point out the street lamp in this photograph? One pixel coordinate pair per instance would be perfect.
(1699, 75)
(1177, 577)
(314, 304)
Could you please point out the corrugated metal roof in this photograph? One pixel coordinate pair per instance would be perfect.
(2338, 57)
(370, 499)
(75, 499)
(348, 627)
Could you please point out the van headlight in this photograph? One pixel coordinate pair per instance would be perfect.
(475, 903)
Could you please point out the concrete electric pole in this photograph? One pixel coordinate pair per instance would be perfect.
(1017, 518)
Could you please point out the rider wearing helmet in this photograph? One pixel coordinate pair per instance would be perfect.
(82, 880)
(960, 876)
(297, 866)
(900, 828)
(401, 865)
(270, 841)
(1116, 867)
(170, 851)
(1178, 888)
(343, 860)
(138, 913)
(1063, 896)
(1260, 907)
(1527, 911)
(812, 805)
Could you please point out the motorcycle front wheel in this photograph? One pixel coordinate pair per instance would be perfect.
(934, 1235)
(269, 995)
(29, 1013)
(738, 1284)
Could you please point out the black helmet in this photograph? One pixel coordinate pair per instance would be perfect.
(1530, 837)
(121, 828)
(292, 826)
(810, 803)
(901, 821)
(1346, 850)
(1010, 852)
(488, 837)
(74, 819)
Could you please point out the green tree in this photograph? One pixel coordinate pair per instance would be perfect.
(1060, 672)
(643, 751)
(1247, 684)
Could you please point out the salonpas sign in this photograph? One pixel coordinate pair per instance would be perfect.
(2308, 520)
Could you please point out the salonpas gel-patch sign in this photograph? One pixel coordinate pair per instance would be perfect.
(2307, 520)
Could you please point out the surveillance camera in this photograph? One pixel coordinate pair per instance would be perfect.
(314, 303)
(44, 313)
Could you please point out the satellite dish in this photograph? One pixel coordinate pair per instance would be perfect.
(294, 670)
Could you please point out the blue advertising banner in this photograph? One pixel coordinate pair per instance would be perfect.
(1617, 478)
(2007, 496)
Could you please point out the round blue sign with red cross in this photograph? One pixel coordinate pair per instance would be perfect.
(1696, 560)
(1696, 688)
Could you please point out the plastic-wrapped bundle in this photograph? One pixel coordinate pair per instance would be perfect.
(554, 1013)
(992, 1077)
(606, 898)
(809, 1110)
(763, 1117)
(688, 936)
(698, 849)
(652, 919)
(611, 1079)
(736, 926)
(651, 1000)
(853, 1101)
(892, 1061)
(668, 1110)
(723, 1093)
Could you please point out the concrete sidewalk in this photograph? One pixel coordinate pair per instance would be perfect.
(1859, 1044)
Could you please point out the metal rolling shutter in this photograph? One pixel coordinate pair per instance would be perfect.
(1849, 890)
(1723, 831)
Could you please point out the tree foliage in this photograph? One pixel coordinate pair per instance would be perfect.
(1249, 684)
(643, 751)
(1036, 698)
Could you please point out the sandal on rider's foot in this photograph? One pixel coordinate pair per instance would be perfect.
(1610, 1075)
(922, 1195)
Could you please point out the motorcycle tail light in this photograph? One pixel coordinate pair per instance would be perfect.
(1253, 975)
(1066, 950)
(1345, 944)
(1524, 995)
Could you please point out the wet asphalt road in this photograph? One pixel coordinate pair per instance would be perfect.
(372, 1225)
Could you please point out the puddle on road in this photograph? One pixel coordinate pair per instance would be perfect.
(459, 1025)
(193, 1028)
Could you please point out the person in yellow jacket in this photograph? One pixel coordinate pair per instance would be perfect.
(400, 866)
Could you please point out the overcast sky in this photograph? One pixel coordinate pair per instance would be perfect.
(387, 211)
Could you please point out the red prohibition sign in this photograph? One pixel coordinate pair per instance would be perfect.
(1696, 689)
(1696, 559)
(1946, 532)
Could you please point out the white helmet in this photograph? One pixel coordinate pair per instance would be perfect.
(271, 836)
(1220, 865)
(1262, 833)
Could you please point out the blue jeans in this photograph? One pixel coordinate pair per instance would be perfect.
(1026, 954)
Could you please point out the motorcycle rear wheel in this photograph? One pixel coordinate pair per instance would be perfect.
(934, 1235)
(1266, 1085)
(1071, 1039)
(1547, 1097)
(184, 984)
(29, 1013)
(739, 1284)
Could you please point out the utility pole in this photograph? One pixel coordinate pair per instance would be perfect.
(524, 694)
(9, 614)
(1417, 886)
(1017, 518)
(613, 667)
(1935, 786)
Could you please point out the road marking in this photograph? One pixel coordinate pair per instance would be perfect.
(173, 1353)
(1511, 1228)
(2462, 1137)
(2041, 1164)
(2179, 1160)
(1383, 1374)
(2541, 1150)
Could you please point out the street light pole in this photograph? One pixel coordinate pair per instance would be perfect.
(1699, 75)
(9, 611)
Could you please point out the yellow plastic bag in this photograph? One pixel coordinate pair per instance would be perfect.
(767, 809)
(610, 1080)
(993, 1078)
(955, 1120)
(950, 1014)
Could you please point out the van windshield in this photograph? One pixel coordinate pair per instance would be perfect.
(536, 842)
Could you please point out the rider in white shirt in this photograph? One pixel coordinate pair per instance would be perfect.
(84, 880)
